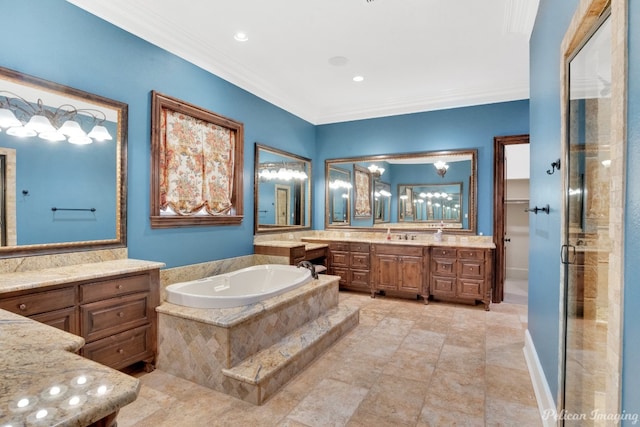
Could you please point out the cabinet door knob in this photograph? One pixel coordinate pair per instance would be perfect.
(118, 286)
(23, 307)
(120, 314)
(121, 351)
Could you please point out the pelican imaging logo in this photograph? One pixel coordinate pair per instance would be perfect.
(595, 415)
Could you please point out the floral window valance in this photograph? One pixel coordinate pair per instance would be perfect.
(196, 165)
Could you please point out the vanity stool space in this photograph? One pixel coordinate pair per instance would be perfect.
(110, 304)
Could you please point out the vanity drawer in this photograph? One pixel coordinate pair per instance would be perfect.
(443, 266)
(118, 351)
(471, 254)
(315, 253)
(103, 318)
(471, 268)
(339, 246)
(40, 302)
(359, 261)
(443, 252)
(359, 247)
(298, 252)
(115, 287)
(340, 259)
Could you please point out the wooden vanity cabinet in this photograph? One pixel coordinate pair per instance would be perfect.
(461, 274)
(350, 261)
(118, 320)
(114, 314)
(400, 268)
(54, 307)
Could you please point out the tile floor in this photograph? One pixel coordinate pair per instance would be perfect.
(405, 364)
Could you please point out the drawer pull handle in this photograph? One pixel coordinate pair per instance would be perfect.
(118, 286)
(121, 314)
(23, 307)
(121, 351)
(444, 252)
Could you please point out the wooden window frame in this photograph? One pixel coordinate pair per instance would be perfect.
(160, 102)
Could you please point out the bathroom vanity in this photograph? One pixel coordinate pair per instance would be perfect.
(454, 270)
(110, 304)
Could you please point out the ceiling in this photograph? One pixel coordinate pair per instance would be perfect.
(414, 55)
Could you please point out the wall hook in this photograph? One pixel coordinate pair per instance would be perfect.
(554, 166)
(536, 209)
(25, 192)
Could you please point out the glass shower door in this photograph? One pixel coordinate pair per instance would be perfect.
(586, 237)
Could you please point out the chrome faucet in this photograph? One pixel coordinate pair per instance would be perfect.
(310, 266)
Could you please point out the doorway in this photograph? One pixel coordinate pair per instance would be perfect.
(283, 205)
(510, 236)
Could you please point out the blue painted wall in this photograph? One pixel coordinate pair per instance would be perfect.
(631, 333)
(458, 128)
(545, 142)
(57, 41)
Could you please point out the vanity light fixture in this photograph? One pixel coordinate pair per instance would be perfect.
(441, 167)
(376, 170)
(22, 118)
(282, 172)
(338, 183)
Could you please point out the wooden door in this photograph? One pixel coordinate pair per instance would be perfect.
(282, 205)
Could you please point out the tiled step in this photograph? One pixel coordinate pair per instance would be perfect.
(258, 377)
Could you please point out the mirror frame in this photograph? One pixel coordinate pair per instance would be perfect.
(256, 187)
(122, 109)
(473, 190)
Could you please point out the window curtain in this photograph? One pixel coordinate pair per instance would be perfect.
(196, 165)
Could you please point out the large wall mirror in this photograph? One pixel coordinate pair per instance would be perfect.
(282, 190)
(63, 168)
(412, 191)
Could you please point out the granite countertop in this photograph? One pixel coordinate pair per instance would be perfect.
(466, 242)
(18, 281)
(44, 383)
(291, 244)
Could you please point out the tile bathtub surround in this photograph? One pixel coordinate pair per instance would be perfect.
(405, 364)
(249, 352)
(39, 378)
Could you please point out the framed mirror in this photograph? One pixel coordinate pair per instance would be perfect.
(338, 190)
(453, 173)
(63, 156)
(282, 199)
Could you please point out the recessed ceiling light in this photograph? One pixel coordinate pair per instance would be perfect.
(338, 61)
(241, 36)
(358, 78)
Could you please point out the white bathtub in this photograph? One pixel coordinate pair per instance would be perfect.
(237, 288)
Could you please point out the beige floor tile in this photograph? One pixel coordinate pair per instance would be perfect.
(437, 418)
(395, 399)
(405, 364)
(331, 403)
(513, 385)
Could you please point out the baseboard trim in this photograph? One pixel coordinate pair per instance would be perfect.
(546, 403)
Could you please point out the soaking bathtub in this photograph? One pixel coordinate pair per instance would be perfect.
(238, 288)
